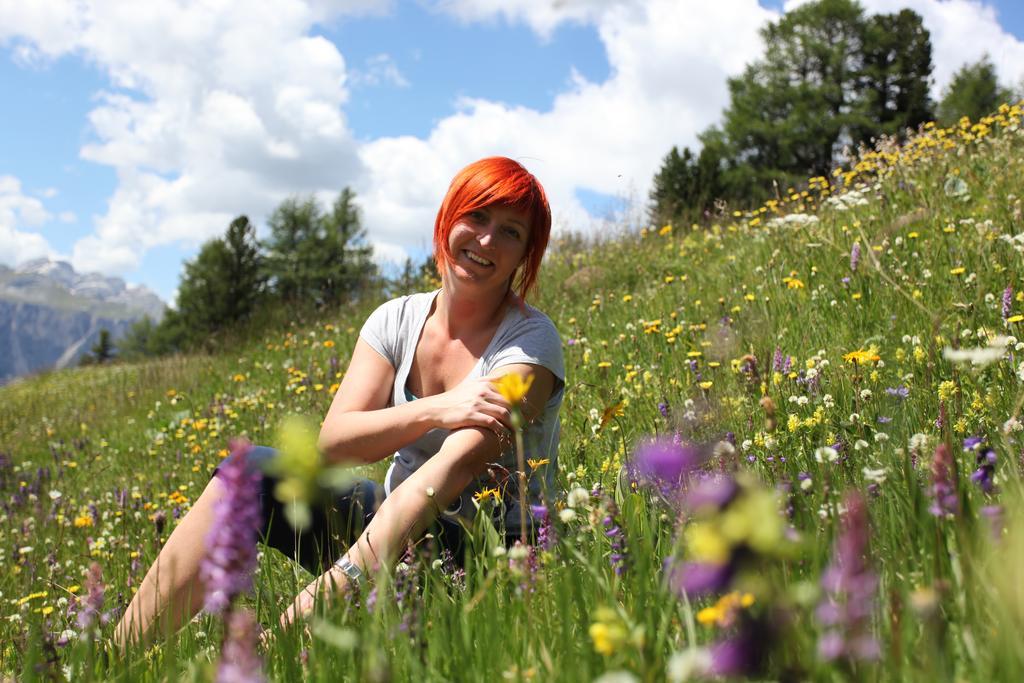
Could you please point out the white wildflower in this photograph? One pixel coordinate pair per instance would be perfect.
(876, 476)
(826, 454)
(687, 665)
(577, 497)
(723, 449)
(980, 356)
(567, 515)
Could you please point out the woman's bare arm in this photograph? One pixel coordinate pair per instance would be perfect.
(433, 487)
(360, 427)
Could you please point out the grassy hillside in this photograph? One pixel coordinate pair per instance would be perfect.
(814, 347)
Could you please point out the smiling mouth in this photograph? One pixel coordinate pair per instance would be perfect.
(476, 259)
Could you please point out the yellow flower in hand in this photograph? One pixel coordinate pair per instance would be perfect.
(513, 387)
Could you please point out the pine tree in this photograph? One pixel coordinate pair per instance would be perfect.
(896, 75)
(685, 186)
(974, 92)
(103, 349)
(830, 78)
(318, 257)
(788, 112)
(222, 286)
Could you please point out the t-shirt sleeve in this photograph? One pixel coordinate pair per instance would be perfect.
(380, 330)
(534, 341)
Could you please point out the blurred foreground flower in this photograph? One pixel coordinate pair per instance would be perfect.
(91, 612)
(945, 501)
(850, 585)
(735, 525)
(239, 662)
(733, 533)
(610, 632)
(302, 477)
(980, 356)
(230, 559)
(513, 387)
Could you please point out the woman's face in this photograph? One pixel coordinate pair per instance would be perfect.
(488, 244)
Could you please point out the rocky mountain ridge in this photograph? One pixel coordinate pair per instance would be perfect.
(50, 314)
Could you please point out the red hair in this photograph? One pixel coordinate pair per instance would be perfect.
(490, 181)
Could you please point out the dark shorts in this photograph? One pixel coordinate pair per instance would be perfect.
(337, 520)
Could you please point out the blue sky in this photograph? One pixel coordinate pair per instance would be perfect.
(128, 138)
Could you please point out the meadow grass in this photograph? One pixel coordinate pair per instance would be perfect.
(759, 336)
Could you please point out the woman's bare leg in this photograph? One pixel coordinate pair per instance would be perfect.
(171, 594)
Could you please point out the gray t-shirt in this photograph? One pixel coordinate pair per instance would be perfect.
(523, 336)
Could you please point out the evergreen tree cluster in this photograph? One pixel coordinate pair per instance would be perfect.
(311, 259)
(831, 79)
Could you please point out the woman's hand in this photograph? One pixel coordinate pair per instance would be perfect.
(331, 581)
(473, 403)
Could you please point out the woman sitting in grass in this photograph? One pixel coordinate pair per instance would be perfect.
(420, 387)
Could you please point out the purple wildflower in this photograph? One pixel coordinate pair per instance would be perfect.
(777, 360)
(850, 585)
(546, 537)
(239, 662)
(230, 559)
(664, 461)
(663, 408)
(900, 392)
(854, 256)
(613, 531)
(1007, 301)
(787, 365)
(985, 459)
(697, 578)
(744, 653)
(945, 502)
(406, 590)
(92, 607)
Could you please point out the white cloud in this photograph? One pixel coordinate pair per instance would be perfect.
(216, 109)
(380, 70)
(543, 16)
(17, 210)
(962, 31)
(220, 108)
(669, 62)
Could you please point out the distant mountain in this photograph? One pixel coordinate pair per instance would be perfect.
(50, 315)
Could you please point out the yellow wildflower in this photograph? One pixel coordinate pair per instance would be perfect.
(723, 613)
(860, 356)
(485, 493)
(608, 632)
(947, 390)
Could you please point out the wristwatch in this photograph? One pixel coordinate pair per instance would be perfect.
(354, 573)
